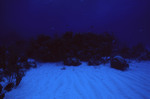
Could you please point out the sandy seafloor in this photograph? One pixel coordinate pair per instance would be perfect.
(48, 81)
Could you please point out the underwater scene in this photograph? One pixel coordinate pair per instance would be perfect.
(74, 49)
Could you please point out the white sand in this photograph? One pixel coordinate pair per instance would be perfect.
(48, 81)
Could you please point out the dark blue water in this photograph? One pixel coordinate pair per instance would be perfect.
(128, 19)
